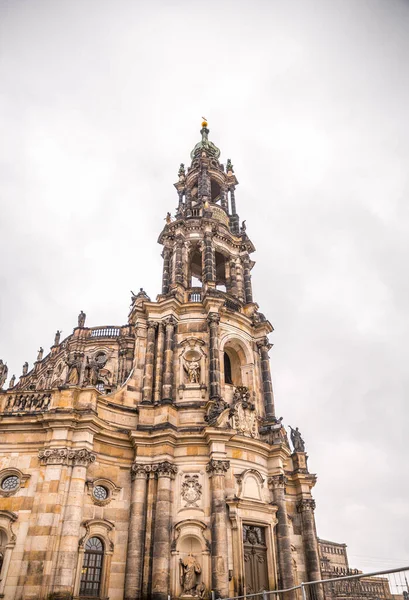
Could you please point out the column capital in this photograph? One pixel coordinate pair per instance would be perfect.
(139, 471)
(82, 457)
(217, 467)
(165, 469)
(264, 343)
(64, 456)
(53, 456)
(213, 318)
(152, 324)
(278, 481)
(306, 505)
(170, 321)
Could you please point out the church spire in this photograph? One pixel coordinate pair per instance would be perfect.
(204, 246)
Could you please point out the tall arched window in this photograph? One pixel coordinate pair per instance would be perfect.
(91, 573)
(227, 369)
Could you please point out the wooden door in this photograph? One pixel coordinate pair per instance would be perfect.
(255, 559)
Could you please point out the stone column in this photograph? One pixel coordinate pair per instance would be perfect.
(220, 570)
(166, 270)
(179, 261)
(306, 508)
(233, 200)
(188, 200)
(264, 346)
(149, 363)
(248, 292)
(70, 532)
(160, 348)
(223, 199)
(213, 319)
(136, 534)
(167, 386)
(204, 184)
(209, 259)
(240, 281)
(285, 561)
(234, 218)
(162, 531)
(180, 205)
(147, 561)
(233, 280)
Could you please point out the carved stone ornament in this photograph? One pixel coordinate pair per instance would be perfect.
(253, 535)
(165, 469)
(213, 318)
(82, 457)
(53, 456)
(215, 409)
(273, 432)
(217, 467)
(277, 481)
(264, 344)
(170, 321)
(191, 490)
(305, 505)
(243, 413)
(60, 456)
(139, 471)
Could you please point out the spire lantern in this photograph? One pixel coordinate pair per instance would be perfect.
(205, 145)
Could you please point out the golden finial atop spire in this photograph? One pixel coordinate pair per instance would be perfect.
(204, 122)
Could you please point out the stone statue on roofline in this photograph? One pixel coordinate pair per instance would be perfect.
(3, 373)
(81, 319)
(296, 439)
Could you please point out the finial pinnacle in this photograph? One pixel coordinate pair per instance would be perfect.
(204, 122)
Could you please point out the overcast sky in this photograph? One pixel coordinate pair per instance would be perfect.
(99, 103)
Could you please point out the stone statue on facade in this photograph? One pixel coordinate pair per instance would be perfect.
(192, 368)
(57, 337)
(40, 353)
(189, 571)
(243, 227)
(25, 368)
(81, 319)
(216, 407)
(12, 382)
(3, 373)
(296, 439)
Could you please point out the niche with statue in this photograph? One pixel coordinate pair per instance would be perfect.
(192, 361)
(191, 560)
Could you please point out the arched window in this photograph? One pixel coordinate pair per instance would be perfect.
(227, 369)
(91, 573)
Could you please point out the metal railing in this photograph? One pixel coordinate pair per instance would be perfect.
(380, 585)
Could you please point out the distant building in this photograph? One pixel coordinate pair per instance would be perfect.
(334, 563)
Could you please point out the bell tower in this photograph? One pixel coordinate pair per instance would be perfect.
(206, 261)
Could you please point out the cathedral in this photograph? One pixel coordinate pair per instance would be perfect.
(145, 459)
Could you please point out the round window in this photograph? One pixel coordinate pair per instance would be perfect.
(10, 483)
(100, 492)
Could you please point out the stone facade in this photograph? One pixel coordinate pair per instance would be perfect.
(146, 460)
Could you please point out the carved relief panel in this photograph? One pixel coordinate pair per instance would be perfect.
(191, 491)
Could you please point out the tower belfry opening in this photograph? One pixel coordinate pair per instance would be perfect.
(148, 455)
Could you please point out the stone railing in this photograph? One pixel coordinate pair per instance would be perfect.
(194, 294)
(108, 331)
(27, 402)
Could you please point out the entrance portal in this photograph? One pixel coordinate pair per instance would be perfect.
(255, 559)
